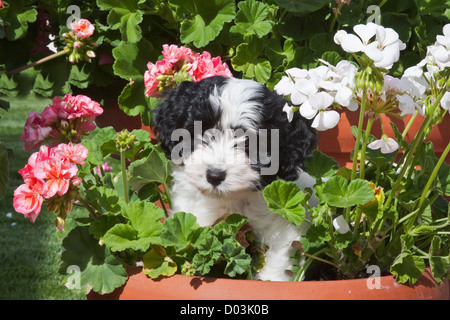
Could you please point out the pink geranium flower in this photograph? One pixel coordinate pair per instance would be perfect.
(35, 131)
(56, 174)
(28, 198)
(82, 28)
(75, 153)
(181, 64)
(174, 54)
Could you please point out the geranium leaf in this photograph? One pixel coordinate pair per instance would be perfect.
(99, 269)
(180, 230)
(154, 168)
(337, 192)
(202, 20)
(321, 166)
(248, 60)
(16, 17)
(251, 19)
(238, 261)
(407, 267)
(143, 229)
(131, 59)
(157, 263)
(286, 199)
(124, 15)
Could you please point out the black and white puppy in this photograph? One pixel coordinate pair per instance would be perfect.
(229, 138)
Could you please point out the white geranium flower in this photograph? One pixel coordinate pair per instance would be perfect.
(387, 145)
(287, 83)
(303, 89)
(341, 225)
(445, 101)
(317, 107)
(384, 50)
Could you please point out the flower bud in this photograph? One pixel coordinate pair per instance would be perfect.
(90, 54)
(77, 45)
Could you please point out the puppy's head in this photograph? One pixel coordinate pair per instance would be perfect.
(230, 135)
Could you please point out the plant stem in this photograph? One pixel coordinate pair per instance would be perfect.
(358, 134)
(320, 259)
(428, 186)
(124, 175)
(48, 58)
(410, 155)
(364, 146)
(408, 126)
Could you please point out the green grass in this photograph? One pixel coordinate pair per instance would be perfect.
(29, 252)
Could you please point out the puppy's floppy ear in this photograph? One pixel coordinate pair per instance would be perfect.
(297, 140)
(171, 114)
(297, 143)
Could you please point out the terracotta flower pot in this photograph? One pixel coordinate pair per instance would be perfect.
(180, 287)
(119, 120)
(339, 141)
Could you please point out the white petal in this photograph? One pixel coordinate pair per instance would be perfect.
(365, 31)
(343, 96)
(375, 144)
(326, 120)
(298, 98)
(308, 111)
(321, 100)
(289, 112)
(389, 146)
(339, 36)
(446, 30)
(341, 225)
(306, 87)
(297, 73)
(285, 86)
(445, 101)
(389, 37)
(413, 72)
(351, 43)
(372, 51)
(406, 104)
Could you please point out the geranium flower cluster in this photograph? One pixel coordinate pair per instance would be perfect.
(77, 42)
(66, 120)
(313, 92)
(380, 44)
(181, 64)
(51, 175)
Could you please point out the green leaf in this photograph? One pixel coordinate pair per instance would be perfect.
(440, 265)
(95, 143)
(124, 15)
(232, 224)
(104, 200)
(157, 263)
(100, 270)
(280, 56)
(286, 199)
(16, 17)
(209, 251)
(131, 59)
(180, 231)
(302, 6)
(3, 170)
(321, 166)
(143, 229)
(251, 19)
(202, 20)
(337, 192)
(154, 168)
(407, 268)
(248, 61)
(238, 261)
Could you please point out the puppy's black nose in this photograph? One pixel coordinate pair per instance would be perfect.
(215, 176)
